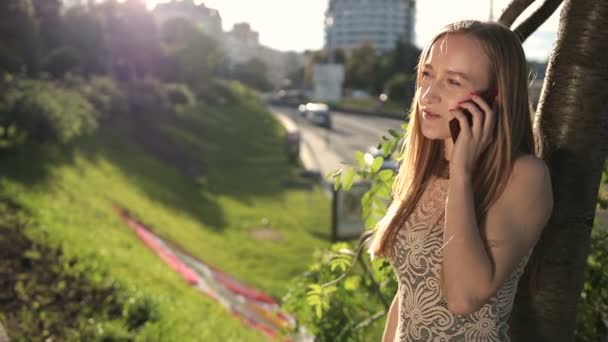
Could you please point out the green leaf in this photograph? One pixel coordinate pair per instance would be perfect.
(386, 175)
(394, 133)
(349, 175)
(379, 212)
(383, 192)
(370, 222)
(386, 149)
(404, 126)
(377, 163)
(366, 211)
(342, 261)
(337, 180)
(360, 159)
(352, 283)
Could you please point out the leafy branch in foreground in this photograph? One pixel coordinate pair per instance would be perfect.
(332, 299)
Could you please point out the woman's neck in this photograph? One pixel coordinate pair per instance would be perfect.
(448, 145)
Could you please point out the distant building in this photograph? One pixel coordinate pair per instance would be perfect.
(242, 43)
(350, 23)
(209, 20)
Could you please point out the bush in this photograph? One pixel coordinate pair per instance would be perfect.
(346, 310)
(61, 61)
(43, 111)
(180, 96)
(592, 316)
(151, 97)
(106, 96)
(147, 97)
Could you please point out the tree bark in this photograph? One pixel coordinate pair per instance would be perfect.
(526, 28)
(513, 11)
(573, 118)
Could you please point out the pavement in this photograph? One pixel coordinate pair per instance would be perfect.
(316, 154)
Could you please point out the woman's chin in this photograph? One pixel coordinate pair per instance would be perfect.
(434, 135)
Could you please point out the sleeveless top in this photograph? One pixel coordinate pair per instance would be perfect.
(423, 311)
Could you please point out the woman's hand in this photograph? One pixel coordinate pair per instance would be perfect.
(471, 141)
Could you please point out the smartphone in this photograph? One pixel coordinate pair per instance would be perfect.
(488, 96)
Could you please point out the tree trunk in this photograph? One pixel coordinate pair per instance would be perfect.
(573, 118)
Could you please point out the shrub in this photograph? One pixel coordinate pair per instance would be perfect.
(106, 96)
(180, 96)
(43, 111)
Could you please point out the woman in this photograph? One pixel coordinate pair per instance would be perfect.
(466, 212)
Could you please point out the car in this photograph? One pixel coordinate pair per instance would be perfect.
(317, 113)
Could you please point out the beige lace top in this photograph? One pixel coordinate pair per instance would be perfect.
(423, 312)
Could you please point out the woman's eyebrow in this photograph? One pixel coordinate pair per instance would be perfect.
(460, 74)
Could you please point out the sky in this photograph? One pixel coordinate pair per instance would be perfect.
(297, 25)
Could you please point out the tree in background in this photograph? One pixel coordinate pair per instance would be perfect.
(190, 56)
(253, 73)
(48, 15)
(85, 37)
(360, 68)
(394, 69)
(19, 50)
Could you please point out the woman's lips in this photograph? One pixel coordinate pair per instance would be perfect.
(429, 115)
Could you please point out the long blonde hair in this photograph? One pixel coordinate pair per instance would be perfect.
(421, 158)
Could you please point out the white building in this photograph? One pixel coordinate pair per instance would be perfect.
(350, 23)
(242, 43)
(207, 19)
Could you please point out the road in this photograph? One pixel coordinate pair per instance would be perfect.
(349, 133)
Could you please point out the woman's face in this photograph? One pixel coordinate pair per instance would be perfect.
(456, 66)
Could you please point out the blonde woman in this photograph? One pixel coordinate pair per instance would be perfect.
(467, 209)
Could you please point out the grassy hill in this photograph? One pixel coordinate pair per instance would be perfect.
(247, 213)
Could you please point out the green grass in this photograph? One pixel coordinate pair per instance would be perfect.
(69, 194)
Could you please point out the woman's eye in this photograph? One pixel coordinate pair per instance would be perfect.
(454, 82)
(425, 74)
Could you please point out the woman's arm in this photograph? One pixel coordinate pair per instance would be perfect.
(477, 262)
(392, 319)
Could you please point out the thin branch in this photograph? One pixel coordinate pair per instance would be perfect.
(375, 285)
(528, 26)
(513, 11)
(366, 235)
(371, 319)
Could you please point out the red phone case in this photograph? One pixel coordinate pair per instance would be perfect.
(488, 96)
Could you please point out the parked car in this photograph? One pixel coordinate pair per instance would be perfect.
(317, 113)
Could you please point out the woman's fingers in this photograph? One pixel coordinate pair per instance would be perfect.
(489, 119)
(465, 129)
(477, 117)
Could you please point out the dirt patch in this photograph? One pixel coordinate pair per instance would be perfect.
(267, 234)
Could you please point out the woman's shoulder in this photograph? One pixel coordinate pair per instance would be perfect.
(531, 167)
(529, 183)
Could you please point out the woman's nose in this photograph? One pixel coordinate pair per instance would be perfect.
(430, 96)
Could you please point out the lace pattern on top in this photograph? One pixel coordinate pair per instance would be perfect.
(423, 312)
